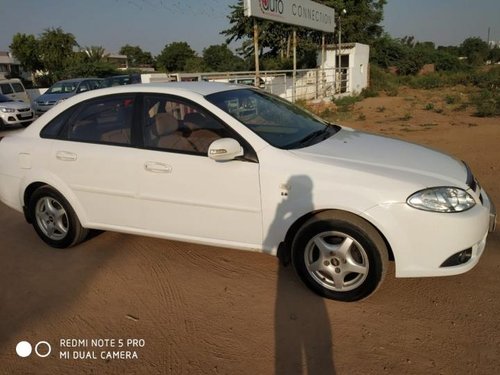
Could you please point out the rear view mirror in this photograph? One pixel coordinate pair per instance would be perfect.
(225, 149)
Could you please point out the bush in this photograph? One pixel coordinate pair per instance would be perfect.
(487, 80)
(487, 103)
(369, 92)
(380, 80)
(430, 81)
(346, 103)
(451, 99)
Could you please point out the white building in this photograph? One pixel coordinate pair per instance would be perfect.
(8, 65)
(352, 73)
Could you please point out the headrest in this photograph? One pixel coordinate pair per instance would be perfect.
(165, 123)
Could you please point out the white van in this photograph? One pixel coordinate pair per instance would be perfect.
(14, 89)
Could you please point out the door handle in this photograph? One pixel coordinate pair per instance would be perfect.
(66, 156)
(156, 167)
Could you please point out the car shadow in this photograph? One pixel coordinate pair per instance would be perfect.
(38, 280)
(303, 335)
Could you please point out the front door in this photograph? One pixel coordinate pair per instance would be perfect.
(185, 194)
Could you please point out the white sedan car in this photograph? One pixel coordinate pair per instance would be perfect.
(232, 166)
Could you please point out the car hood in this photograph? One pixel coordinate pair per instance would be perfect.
(52, 97)
(371, 152)
(15, 105)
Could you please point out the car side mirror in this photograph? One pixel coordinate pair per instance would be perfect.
(225, 149)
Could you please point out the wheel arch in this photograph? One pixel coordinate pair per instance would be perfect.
(28, 192)
(31, 187)
(284, 249)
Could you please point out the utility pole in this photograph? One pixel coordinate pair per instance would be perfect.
(256, 51)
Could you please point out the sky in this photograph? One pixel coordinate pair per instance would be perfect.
(152, 24)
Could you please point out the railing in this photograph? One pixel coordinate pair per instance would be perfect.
(310, 84)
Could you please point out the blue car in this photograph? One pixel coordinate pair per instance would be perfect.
(62, 90)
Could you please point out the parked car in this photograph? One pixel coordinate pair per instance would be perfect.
(233, 166)
(14, 112)
(63, 90)
(127, 79)
(14, 89)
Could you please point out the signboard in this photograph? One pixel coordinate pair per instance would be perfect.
(294, 12)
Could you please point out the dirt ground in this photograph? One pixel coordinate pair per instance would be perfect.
(205, 310)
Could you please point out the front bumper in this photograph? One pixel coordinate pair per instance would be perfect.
(17, 118)
(422, 241)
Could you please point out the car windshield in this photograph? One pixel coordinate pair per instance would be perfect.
(62, 88)
(4, 99)
(276, 120)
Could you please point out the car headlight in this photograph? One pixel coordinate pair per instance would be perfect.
(7, 110)
(441, 199)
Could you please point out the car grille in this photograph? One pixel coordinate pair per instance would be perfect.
(23, 110)
(19, 117)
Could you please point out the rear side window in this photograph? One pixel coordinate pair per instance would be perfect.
(94, 85)
(6, 88)
(105, 120)
(53, 129)
(84, 86)
(18, 87)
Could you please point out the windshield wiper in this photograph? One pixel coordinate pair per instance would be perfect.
(323, 134)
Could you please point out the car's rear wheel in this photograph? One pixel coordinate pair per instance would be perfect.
(340, 256)
(54, 219)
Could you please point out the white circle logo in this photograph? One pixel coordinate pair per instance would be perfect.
(43, 355)
(23, 349)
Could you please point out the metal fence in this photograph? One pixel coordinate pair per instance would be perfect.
(310, 84)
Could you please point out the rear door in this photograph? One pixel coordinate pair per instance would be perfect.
(93, 155)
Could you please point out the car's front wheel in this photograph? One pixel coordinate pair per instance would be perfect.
(54, 219)
(340, 256)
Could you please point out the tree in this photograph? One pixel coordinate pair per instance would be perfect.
(475, 49)
(89, 62)
(56, 51)
(174, 56)
(26, 49)
(494, 55)
(220, 58)
(194, 65)
(136, 56)
(83, 65)
(361, 22)
(94, 53)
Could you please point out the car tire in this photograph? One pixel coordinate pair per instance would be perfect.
(54, 219)
(2, 126)
(340, 256)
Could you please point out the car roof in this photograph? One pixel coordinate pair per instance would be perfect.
(201, 88)
(76, 79)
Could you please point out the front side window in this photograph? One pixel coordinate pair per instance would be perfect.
(174, 125)
(105, 120)
(17, 87)
(275, 120)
